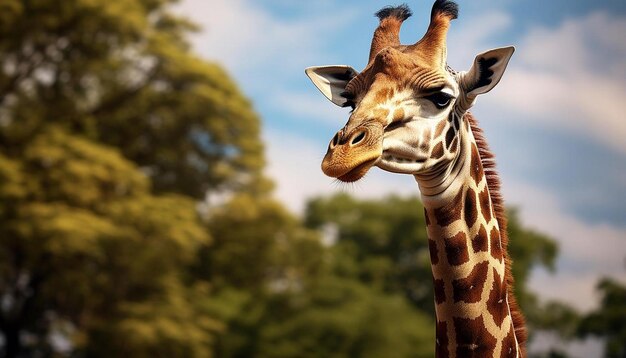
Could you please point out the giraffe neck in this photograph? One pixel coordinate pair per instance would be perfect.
(468, 263)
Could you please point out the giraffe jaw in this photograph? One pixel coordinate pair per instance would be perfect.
(398, 163)
(401, 157)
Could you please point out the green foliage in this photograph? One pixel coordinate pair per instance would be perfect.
(257, 244)
(177, 323)
(111, 130)
(387, 238)
(120, 72)
(83, 239)
(609, 320)
(344, 318)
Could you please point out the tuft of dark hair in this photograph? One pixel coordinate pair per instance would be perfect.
(447, 7)
(401, 12)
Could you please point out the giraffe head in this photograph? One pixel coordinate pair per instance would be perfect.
(407, 103)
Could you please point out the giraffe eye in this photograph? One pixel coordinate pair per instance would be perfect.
(439, 99)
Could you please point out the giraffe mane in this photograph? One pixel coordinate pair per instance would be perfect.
(487, 159)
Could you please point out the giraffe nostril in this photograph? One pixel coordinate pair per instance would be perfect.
(358, 138)
(335, 140)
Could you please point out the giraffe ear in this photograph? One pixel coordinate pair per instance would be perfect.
(332, 81)
(487, 71)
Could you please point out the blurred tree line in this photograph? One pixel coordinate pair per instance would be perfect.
(112, 135)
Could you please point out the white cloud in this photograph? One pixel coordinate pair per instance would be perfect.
(572, 78)
(249, 39)
(593, 43)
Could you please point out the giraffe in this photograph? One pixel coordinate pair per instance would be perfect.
(410, 115)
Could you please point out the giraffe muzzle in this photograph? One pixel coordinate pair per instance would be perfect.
(352, 153)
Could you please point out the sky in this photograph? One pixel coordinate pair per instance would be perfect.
(555, 121)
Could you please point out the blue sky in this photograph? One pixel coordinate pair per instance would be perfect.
(556, 121)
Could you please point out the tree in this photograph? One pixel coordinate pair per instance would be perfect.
(120, 73)
(111, 131)
(609, 320)
(257, 244)
(84, 243)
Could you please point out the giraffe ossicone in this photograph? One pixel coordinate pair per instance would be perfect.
(410, 116)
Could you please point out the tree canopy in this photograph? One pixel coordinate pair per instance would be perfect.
(94, 67)
(111, 131)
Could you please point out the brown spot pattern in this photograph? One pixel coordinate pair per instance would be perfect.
(437, 151)
(470, 289)
(450, 212)
(485, 208)
(476, 167)
(456, 249)
(426, 217)
(440, 128)
(496, 248)
(449, 136)
(432, 247)
(441, 346)
(496, 303)
(509, 349)
(472, 339)
(471, 211)
(440, 291)
(480, 241)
